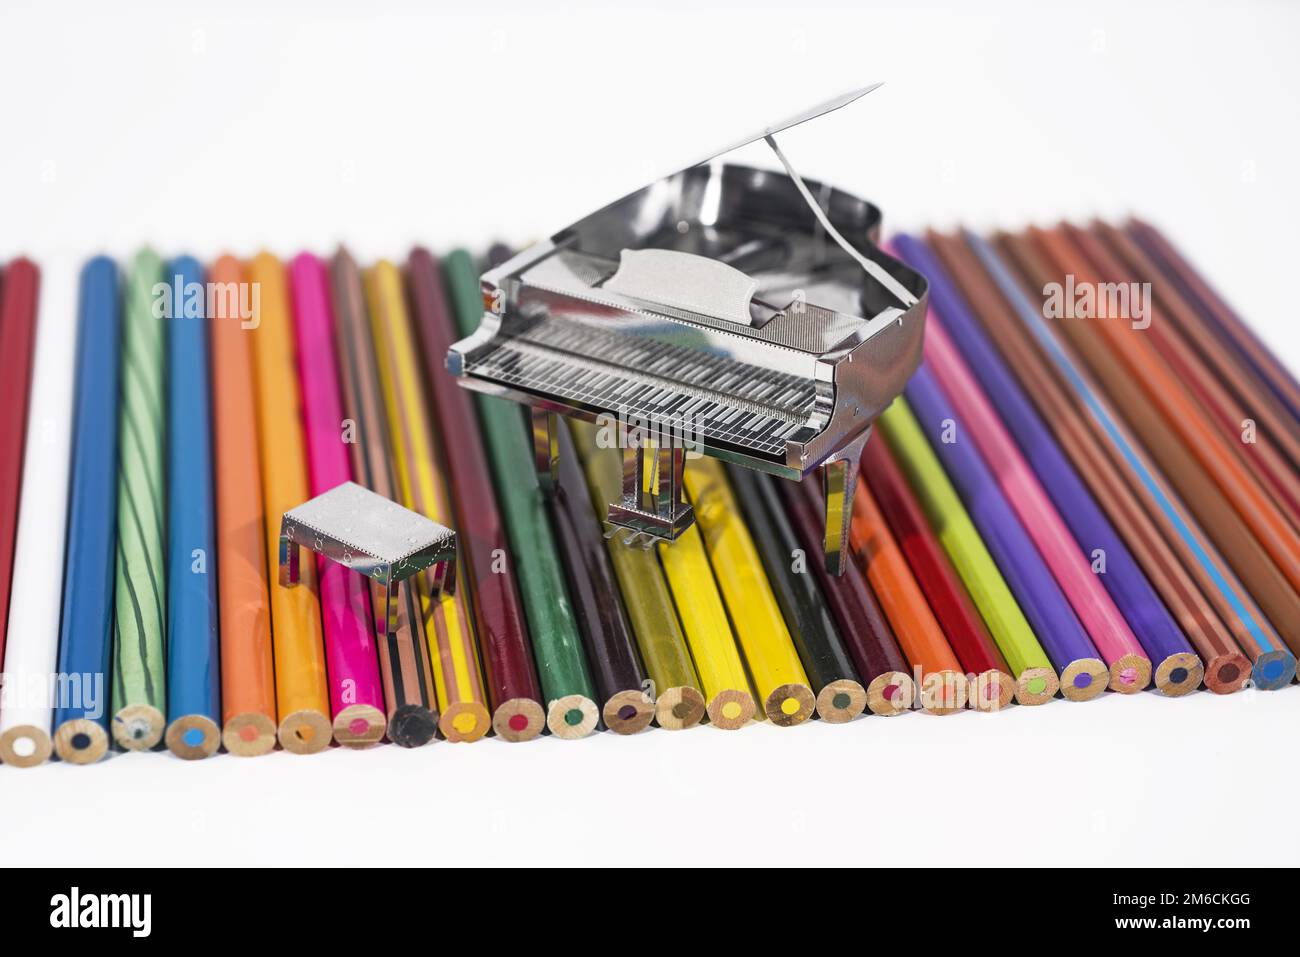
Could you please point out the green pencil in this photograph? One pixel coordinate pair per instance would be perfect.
(557, 645)
(139, 641)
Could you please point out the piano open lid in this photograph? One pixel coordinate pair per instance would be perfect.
(726, 310)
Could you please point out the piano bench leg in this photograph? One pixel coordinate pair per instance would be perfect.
(290, 569)
(839, 483)
(546, 448)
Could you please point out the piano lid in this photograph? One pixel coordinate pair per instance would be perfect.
(722, 310)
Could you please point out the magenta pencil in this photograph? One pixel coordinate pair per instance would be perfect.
(351, 655)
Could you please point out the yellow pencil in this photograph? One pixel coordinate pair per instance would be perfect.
(457, 675)
(301, 693)
(760, 627)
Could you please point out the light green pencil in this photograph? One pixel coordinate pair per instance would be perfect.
(1036, 681)
(139, 632)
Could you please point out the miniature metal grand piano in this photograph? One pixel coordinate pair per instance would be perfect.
(728, 310)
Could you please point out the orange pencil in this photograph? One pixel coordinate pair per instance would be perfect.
(941, 680)
(247, 670)
(302, 697)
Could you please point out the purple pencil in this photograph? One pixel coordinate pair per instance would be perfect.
(1178, 669)
(1083, 674)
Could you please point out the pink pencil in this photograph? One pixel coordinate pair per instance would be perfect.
(1130, 669)
(356, 694)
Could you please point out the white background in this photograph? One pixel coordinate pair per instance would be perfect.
(212, 127)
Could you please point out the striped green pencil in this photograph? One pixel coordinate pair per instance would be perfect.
(139, 640)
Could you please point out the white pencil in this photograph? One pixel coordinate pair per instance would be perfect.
(32, 643)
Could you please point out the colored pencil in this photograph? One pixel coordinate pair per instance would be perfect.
(17, 337)
(1225, 667)
(944, 686)
(499, 619)
(616, 668)
(1130, 668)
(420, 477)
(32, 649)
(1083, 674)
(1258, 639)
(557, 647)
(357, 706)
(86, 628)
(301, 688)
(989, 677)
(760, 628)
(679, 701)
(139, 636)
(1234, 400)
(840, 694)
(410, 695)
(1249, 350)
(863, 625)
(193, 636)
(244, 610)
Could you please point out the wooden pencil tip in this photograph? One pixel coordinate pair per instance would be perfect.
(1084, 679)
(1037, 686)
(1130, 673)
(1179, 674)
(305, 732)
(731, 709)
(25, 746)
(464, 721)
(1225, 674)
(679, 707)
(249, 734)
(1273, 670)
(193, 736)
(944, 692)
(790, 704)
(841, 701)
(412, 726)
(628, 712)
(138, 727)
(572, 716)
(80, 741)
(991, 691)
(518, 720)
(891, 693)
(359, 726)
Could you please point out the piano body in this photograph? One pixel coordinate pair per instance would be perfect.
(724, 310)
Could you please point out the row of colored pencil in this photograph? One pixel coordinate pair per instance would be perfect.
(1078, 504)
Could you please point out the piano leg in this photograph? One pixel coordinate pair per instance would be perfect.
(289, 558)
(383, 598)
(546, 448)
(839, 482)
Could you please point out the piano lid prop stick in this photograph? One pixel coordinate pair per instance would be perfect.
(32, 649)
(404, 666)
(1248, 349)
(244, 610)
(1130, 668)
(679, 702)
(602, 621)
(862, 623)
(139, 640)
(942, 589)
(1226, 668)
(1126, 589)
(760, 629)
(840, 694)
(944, 686)
(301, 688)
(86, 629)
(1083, 674)
(1274, 665)
(17, 337)
(1231, 394)
(193, 654)
(499, 618)
(448, 626)
(557, 647)
(356, 692)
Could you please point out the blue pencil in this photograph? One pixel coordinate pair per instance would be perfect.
(1124, 579)
(86, 633)
(193, 666)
